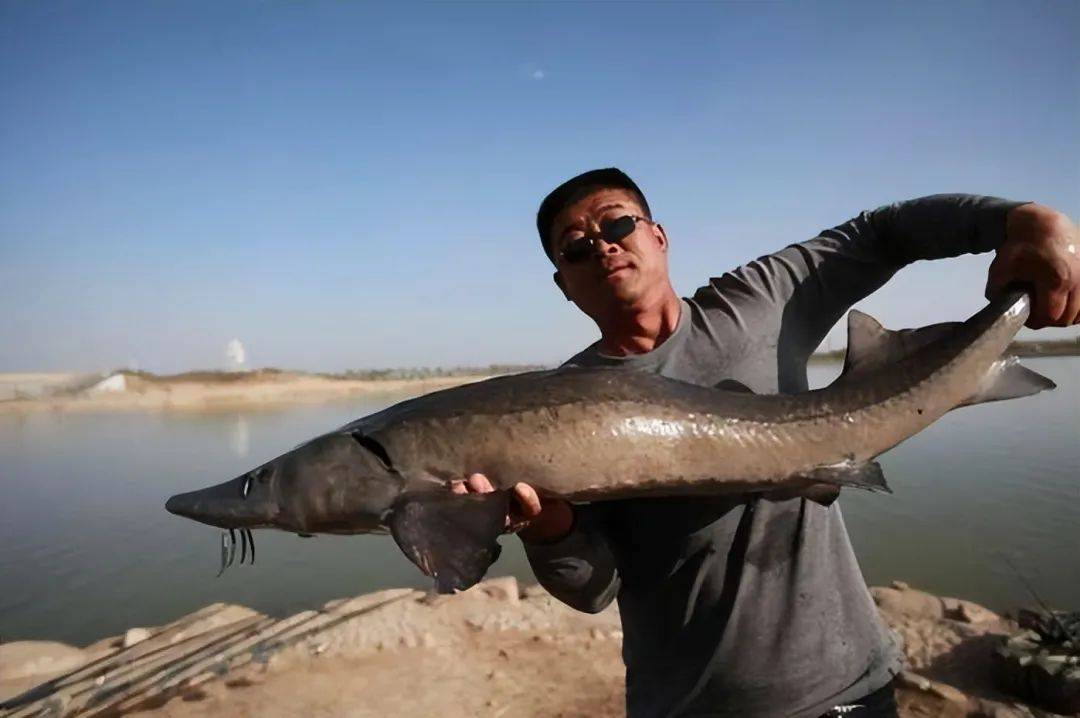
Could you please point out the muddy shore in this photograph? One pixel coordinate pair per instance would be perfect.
(497, 650)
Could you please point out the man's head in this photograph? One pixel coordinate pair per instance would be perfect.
(610, 270)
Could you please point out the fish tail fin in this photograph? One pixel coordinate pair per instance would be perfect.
(451, 537)
(1008, 379)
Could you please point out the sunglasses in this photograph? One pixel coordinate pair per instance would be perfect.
(611, 231)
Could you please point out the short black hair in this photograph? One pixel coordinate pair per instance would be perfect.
(578, 188)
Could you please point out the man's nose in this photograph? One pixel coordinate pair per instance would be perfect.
(603, 246)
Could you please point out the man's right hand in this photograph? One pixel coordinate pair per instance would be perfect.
(534, 519)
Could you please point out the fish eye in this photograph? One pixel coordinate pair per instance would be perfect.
(247, 487)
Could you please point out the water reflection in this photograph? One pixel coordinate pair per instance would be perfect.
(240, 437)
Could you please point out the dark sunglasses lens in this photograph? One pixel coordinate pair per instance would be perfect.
(577, 249)
(617, 229)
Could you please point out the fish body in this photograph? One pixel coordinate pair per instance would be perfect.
(607, 433)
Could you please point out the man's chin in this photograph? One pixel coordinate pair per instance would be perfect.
(625, 292)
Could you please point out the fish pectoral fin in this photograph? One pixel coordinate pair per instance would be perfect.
(1007, 378)
(451, 537)
(863, 475)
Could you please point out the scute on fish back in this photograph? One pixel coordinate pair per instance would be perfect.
(604, 433)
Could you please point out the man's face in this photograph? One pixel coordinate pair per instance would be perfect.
(614, 276)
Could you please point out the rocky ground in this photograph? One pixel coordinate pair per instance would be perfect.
(492, 651)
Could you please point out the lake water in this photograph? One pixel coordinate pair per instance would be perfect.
(87, 549)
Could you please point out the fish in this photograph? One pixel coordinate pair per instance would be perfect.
(591, 434)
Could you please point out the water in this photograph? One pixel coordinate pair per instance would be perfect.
(87, 549)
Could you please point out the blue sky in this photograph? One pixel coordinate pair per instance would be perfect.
(347, 185)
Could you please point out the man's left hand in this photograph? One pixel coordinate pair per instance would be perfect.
(1041, 249)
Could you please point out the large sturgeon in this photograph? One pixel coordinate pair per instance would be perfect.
(588, 434)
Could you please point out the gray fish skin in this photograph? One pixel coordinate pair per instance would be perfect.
(587, 434)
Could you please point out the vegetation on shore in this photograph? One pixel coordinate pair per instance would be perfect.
(432, 372)
(1047, 348)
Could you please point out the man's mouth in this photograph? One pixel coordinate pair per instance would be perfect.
(610, 271)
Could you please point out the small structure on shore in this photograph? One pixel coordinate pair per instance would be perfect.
(235, 356)
(112, 384)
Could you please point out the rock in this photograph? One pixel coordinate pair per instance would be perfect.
(213, 616)
(533, 590)
(1044, 674)
(907, 602)
(907, 679)
(919, 696)
(135, 635)
(950, 695)
(968, 611)
(23, 659)
(504, 588)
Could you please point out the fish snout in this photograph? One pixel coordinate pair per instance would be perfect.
(227, 505)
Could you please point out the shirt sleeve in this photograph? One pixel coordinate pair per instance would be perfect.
(794, 296)
(580, 568)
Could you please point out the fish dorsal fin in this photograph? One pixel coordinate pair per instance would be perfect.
(872, 346)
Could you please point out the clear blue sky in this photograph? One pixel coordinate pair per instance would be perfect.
(354, 185)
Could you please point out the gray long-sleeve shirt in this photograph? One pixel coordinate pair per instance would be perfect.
(744, 606)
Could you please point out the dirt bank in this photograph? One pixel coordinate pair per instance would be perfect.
(492, 651)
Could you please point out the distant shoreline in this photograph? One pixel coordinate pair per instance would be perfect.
(215, 391)
(1049, 348)
(202, 391)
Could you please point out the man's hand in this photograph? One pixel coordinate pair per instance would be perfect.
(535, 520)
(1042, 249)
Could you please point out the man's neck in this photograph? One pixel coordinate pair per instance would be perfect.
(641, 329)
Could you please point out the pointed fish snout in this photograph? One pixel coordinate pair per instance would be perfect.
(225, 505)
(181, 505)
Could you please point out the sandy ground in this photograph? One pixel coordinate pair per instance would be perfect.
(256, 390)
(494, 651)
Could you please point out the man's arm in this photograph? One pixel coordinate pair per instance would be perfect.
(578, 568)
(566, 545)
(793, 297)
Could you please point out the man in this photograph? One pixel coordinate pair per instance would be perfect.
(747, 606)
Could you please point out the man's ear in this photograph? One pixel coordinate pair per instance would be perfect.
(559, 283)
(661, 236)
